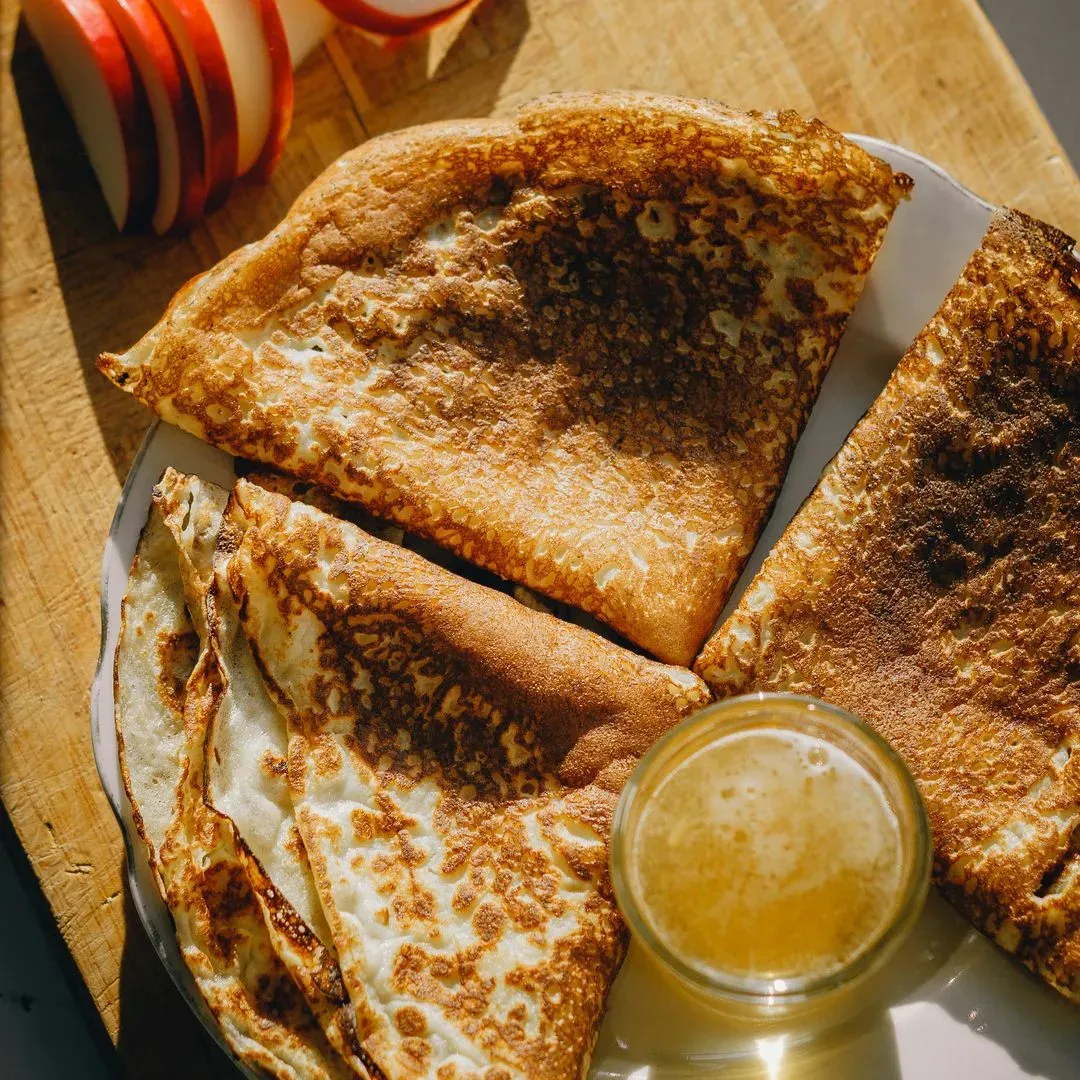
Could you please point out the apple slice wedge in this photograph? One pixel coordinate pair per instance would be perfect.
(394, 18)
(101, 88)
(181, 171)
(239, 28)
(282, 89)
(197, 41)
(306, 23)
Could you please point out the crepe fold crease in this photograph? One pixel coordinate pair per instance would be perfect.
(161, 728)
(454, 760)
(245, 784)
(379, 801)
(931, 584)
(575, 346)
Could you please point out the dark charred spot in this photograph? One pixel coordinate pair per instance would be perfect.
(956, 461)
(1006, 500)
(946, 570)
(277, 997)
(228, 896)
(177, 654)
(804, 297)
(1057, 870)
(273, 764)
(952, 547)
(973, 617)
(500, 191)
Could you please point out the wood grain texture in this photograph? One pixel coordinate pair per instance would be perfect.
(930, 74)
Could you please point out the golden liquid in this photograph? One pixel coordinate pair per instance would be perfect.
(768, 853)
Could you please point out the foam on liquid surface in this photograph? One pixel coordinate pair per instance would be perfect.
(768, 854)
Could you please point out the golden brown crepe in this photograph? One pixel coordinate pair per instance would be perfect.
(155, 655)
(575, 346)
(454, 761)
(245, 782)
(160, 724)
(931, 584)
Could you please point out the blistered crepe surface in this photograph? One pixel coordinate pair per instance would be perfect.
(575, 346)
(155, 654)
(219, 925)
(454, 760)
(931, 584)
(246, 781)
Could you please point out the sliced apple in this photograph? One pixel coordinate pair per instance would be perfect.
(306, 23)
(281, 109)
(106, 100)
(181, 173)
(196, 38)
(394, 18)
(240, 31)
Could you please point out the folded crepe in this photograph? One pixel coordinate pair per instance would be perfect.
(575, 346)
(454, 759)
(155, 655)
(246, 783)
(160, 718)
(931, 584)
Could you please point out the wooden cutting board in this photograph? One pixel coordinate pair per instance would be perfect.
(929, 74)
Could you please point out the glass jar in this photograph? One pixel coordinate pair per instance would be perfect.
(823, 995)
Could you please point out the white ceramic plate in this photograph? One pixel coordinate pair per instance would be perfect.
(951, 1005)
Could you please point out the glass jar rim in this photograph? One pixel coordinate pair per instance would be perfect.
(777, 991)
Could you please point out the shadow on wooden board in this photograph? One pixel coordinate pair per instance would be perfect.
(113, 286)
(154, 1016)
(25, 880)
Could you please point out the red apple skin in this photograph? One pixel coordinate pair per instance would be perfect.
(141, 145)
(366, 17)
(281, 109)
(138, 19)
(128, 95)
(220, 144)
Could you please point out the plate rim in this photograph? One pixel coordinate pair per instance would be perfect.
(115, 799)
(105, 665)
